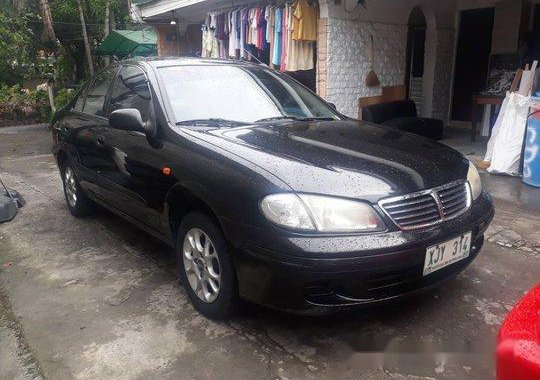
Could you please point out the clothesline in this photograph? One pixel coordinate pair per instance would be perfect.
(250, 4)
(246, 5)
(284, 36)
(254, 4)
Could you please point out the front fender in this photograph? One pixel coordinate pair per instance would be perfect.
(196, 190)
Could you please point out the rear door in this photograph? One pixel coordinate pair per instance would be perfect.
(82, 128)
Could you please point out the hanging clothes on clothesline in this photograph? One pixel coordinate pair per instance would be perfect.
(283, 36)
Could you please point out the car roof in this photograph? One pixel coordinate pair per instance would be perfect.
(185, 61)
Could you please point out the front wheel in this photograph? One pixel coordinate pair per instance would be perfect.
(205, 267)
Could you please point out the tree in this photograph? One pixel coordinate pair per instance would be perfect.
(19, 4)
(48, 29)
(16, 49)
(107, 21)
(106, 26)
(68, 27)
(85, 38)
(65, 51)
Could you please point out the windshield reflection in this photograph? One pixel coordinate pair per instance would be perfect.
(238, 94)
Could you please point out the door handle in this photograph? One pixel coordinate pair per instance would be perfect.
(60, 128)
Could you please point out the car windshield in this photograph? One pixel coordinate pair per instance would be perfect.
(237, 94)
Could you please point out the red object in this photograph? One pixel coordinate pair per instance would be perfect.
(518, 350)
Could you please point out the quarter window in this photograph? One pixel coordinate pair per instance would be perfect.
(97, 92)
(79, 104)
(131, 91)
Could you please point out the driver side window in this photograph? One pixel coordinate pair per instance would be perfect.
(131, 90)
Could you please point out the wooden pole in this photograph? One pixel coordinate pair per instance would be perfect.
(85, 38)
(106, 27)
(50, 92)
(48, 29)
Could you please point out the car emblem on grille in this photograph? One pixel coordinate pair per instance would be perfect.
(438, 202)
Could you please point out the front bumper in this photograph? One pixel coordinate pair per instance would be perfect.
(312, 274)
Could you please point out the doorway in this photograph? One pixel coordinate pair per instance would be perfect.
(416, 50)
(534, 37)
(472, 59)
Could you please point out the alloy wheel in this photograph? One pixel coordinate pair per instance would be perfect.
(201, 265)
(70, 185)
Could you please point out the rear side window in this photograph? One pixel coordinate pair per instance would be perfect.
(131, 90)
(97, 92)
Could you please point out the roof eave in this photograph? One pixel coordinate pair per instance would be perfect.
(159, 7)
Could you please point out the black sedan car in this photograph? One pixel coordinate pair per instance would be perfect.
(265, 191)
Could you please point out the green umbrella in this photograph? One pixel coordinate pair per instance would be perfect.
(122, 43)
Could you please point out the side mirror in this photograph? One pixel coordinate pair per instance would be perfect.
(127, 119)
(333, 106)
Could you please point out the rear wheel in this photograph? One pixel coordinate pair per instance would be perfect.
(205, 267)
(77, 202)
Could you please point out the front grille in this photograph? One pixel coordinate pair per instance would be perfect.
(454, 199)
(429, 207)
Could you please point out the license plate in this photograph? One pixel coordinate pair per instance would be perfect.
(443, 254)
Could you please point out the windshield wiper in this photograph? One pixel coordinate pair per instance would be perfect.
(276, 118)
(211, 121)
(295, 118)
(320, 118)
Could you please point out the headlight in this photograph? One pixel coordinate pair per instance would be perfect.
(474, 181)
(320, 213)
(287, 210)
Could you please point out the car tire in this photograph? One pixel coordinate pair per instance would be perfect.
(79, 205)
(204, 265)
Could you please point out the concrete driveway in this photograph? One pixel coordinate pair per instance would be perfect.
(96, 298)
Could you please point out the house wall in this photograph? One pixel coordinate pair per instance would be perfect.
(190, 40)
(166, 41)
(343, 60)
(322, 58)
(348, 61)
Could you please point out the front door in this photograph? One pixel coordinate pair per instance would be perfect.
(135, 183)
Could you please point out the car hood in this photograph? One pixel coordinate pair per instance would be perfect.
(342, 158)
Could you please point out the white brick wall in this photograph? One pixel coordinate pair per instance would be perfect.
(349, 60)
(349, 63)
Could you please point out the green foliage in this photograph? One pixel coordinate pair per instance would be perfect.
(64, 69)
(25, 55)
(63, 97)
(23, 105)
(40, 99)
(16, 46)
(67, 11)
(68, 28)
